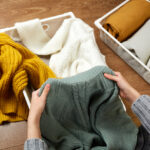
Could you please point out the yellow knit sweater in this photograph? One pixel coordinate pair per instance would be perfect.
(18, 68)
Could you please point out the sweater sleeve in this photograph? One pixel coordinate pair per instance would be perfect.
(35, 144)
(141, 107)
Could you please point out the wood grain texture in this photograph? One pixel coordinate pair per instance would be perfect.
(13, 135)
(16, 147)
(12, 11)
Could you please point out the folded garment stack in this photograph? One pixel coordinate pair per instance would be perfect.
(18, 68)
(72, 48)
(132, 28)
(32, 35)
(128, 19)
(139, 43)
(85, 112)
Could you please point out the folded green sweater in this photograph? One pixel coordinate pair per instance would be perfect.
(84, 112)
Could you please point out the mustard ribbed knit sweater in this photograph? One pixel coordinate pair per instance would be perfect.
(18, 68)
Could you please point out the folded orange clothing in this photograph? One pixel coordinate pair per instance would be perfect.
(18, 68)
(129, 18)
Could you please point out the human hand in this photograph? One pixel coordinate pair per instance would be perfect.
(126, 90)
(38, 103)
(36, 109)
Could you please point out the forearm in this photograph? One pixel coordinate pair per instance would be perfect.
(34, 141)
(141, 107)
(33, 131)
(33, 126)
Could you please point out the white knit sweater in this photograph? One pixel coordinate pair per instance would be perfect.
(32, 35)
(73, 48)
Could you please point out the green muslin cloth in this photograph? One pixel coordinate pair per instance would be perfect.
(84, 112)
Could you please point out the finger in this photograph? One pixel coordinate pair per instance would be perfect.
(110, 77)
(35, 93)
(117, 73)
(45, 91)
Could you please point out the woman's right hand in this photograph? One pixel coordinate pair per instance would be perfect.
(36, 109)
(126, 90)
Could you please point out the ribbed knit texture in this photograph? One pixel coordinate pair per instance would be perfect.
(141, 107)
(84, 112)
(35, 144)
(18, 68)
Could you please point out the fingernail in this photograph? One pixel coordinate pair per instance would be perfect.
(48, 85)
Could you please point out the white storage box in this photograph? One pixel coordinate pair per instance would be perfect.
(119, 49)
(52, 22)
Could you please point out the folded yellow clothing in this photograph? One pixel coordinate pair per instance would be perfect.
(125, 21)
(18, 68)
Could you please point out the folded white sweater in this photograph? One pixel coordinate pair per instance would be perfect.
(32, 35)
(73, 48)
(140, 42)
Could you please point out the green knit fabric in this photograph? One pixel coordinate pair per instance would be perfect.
(84, 112)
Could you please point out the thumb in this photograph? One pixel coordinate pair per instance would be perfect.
(45, 91)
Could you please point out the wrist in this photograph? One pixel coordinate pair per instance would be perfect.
(34, 119)
(33, 132)
(133, 95)
(33, 129)
(33, 124)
